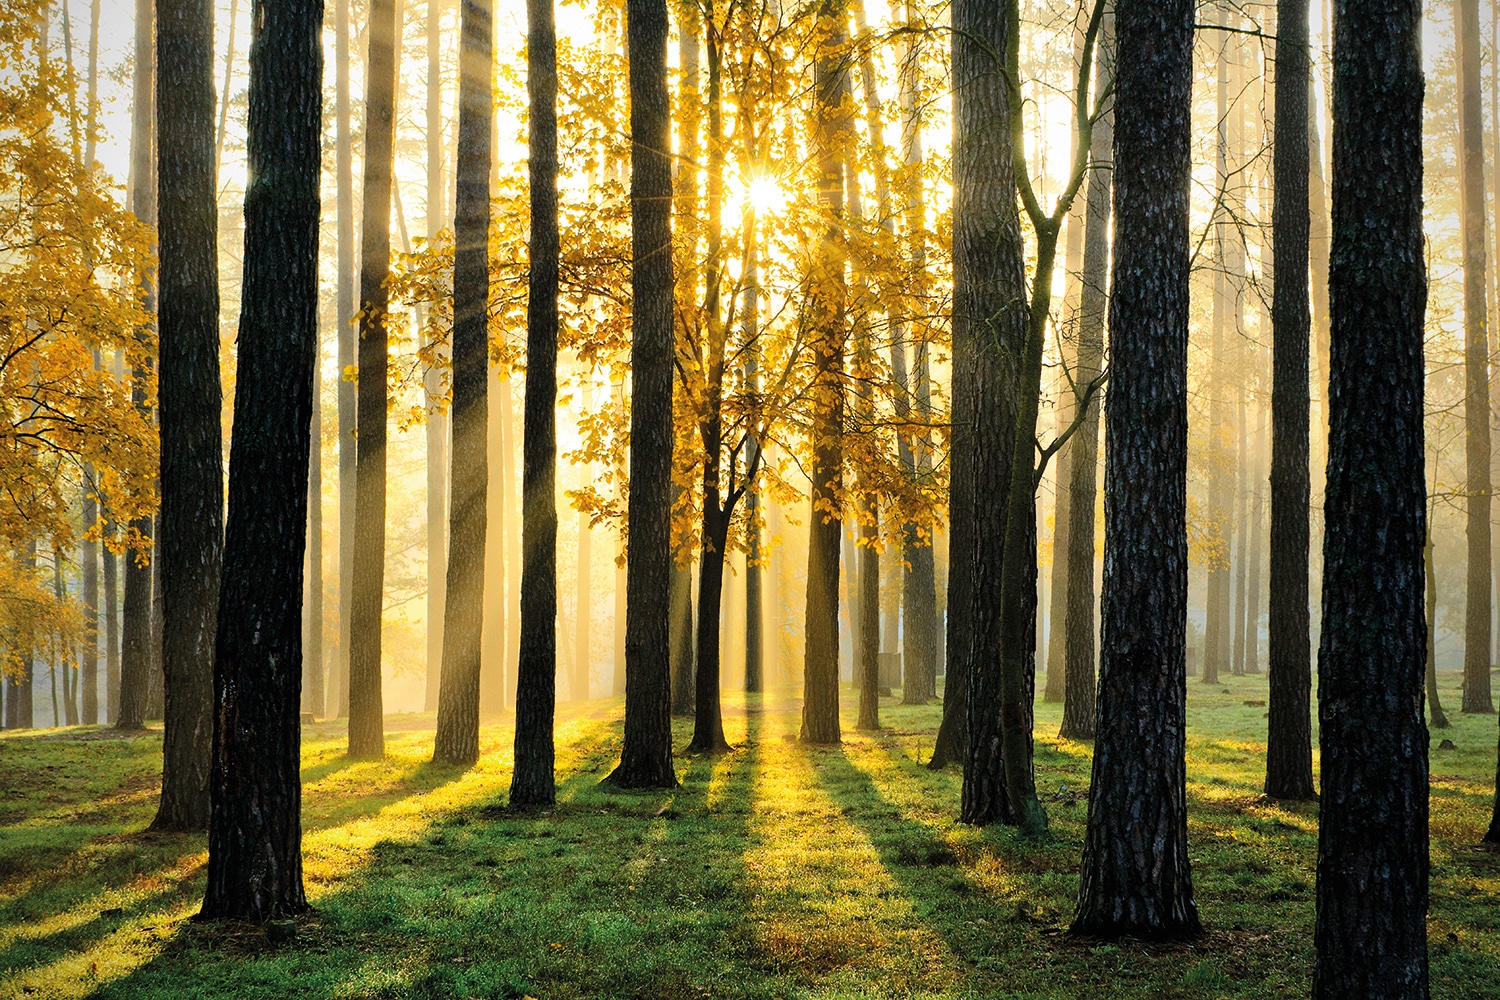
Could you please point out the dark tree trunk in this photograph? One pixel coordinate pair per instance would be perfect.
(867, 642)
(989, 333)
(366, 722)
(1136, 879)
(458, 699)
(708, 716)
(532, 782)
(1370, 936)
(347, 392)
(1436, 717)
(156, 705)
(1289, 732)
(820, 671)
(92, 624)
(682, 638)
(1083, 450)
(1476, 360)
(254, 840)
(136, 658)
(111, 628)
(191, 401)
(646, 759)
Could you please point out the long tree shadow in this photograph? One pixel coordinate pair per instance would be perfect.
(607, 894)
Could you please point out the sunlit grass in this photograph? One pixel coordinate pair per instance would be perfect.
(774, 870)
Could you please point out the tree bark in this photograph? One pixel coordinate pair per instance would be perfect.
(646, 759)
(191, 402)
(347, 391)
(1436, 717)
(682, 637)
(1289, 731)
(1083, 453)
(366, 722)
(1136, 878)
(254, 840)
(1370, 936)
(1476, 360)
(92, 623)
(457, 740)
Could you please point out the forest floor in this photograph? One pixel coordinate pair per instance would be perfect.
(775, 870)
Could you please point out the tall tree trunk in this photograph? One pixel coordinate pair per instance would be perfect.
(1241, 527)
(1083, 454)
(1436, 717)
(1370, 937)
(347, 391)
(1136, 878)
(457, 738)
(1289, 731)
(1257, 535)
(191, 401)
(536, 681)
(432, 387)
(820, 671)
(92, 624)
(366, 722)
(111, 628)
(254, 840)
(583, 592)
(682, 637)
(1476, 360)
(646, 759)
(1216, 639)
(135, 663)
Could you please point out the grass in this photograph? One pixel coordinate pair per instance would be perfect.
(777, 870)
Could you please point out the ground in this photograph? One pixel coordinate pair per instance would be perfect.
(776, 870)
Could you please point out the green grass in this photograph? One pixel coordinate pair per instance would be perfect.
(777, 870)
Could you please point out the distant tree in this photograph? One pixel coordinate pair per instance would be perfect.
(437, 423)
(1371, 931)
(532, 781)
(255, 834)
(366, 723)
(1289, 731)
(192, 474)
(458, 706)
(646, 759)
(338, 705)
(820, 699)
(1136, 878)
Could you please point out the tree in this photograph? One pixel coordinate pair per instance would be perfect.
(531, 783)
(432, 388)
(254, 841)
(1476, 359)
(136, 656)
(1136, 878)
(1371, 930)
(1083, 456)
(1289, 731)
(820, 699)
(347, 392)
(646, 758)
(192, 475)
(458, 706)
(366, 724)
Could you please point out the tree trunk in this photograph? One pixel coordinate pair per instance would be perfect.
(583, 595)
(338, 705)
(457, 740)
(1241, 531)
(708, 718)
(366, 722)
(1216, 639)
(646, 758)
(93, 626)
(1476, 360)
(1083, 455)
(1370, 936)
(532, 783)
(111, 629)
(254, 840)
(1436, 717)
(1257, 534)
(820, 671)
(135, 663)
(191, 404)
(432, 388)
(682, 639)
(1136, 879)
(1289, 731)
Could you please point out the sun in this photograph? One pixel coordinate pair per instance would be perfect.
(764, 195)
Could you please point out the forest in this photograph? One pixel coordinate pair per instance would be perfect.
(749, 498)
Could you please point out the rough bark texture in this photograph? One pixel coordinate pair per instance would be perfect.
(254, 840)
(1136, 879)
(646, 758)
(457, 738)
(1289, 732)
(1370, 935)
(366, 723)
(532, 782)
(135, 657)
(1476, 360)
(989, 334)
(338, 693)
(820, 672)
(191, 401)
(1083, 453)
